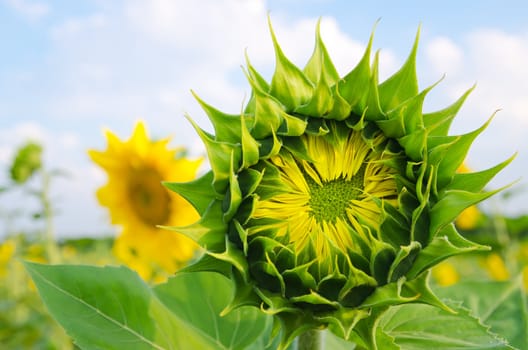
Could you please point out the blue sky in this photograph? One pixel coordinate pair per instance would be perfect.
(68, 69)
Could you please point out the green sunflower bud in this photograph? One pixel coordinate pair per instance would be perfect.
(28, 160)
(330, 198)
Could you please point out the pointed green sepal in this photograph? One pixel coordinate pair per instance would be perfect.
(320, 65)
(445, 244)
(372, 107)
(243, 294)
(352, 86)
(403, 261)
(209, 231)
(199, 192)
(220, 154)
(250, 147)
(226, 126)
(233, 256)
(403, 84)
(210, 264)
(267, 112)
(453, 154)
(289, 84)
(439, 122)
(321, 103)
(389, 294)
(233, 197)
(451, 205)
(475, 182)
(342, 322)
(291, 125)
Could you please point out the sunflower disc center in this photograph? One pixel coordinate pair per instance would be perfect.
(330, 201)
(149, 199)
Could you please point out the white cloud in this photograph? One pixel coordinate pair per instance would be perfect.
(444, 55)
(29, 9)
(499, 60)
(73, 26)
(209, 30)
(495, 60)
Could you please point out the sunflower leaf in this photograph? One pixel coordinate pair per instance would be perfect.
(418, 326)
(112, 308)
(500, 305)
(198, 299)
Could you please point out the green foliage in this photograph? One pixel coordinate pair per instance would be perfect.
(109, 307)
(418, 326)
(500, 305)
(112, 308)
(198, 299)
(27, 161)
(121, 309)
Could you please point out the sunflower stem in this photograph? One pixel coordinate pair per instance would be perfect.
(310, 340)
(52, 249)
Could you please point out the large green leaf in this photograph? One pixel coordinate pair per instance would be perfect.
(501, 305)
(199, 297)
(419, 326)
(112, 308)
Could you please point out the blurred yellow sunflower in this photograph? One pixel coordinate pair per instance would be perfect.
(138, 202)
(496, 267)
(7, 251)
(445, 274)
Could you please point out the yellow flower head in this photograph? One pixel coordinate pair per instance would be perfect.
(322, 198)
(330, 198)
(138, 202)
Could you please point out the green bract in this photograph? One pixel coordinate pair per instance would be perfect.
(329, 198)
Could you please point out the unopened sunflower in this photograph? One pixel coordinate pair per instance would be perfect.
(138, 202)
(330, 198)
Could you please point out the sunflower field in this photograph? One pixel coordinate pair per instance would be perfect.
(331, 212)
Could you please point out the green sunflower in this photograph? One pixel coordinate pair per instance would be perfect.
(330, 198)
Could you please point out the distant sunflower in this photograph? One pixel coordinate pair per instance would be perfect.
(138, 202)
